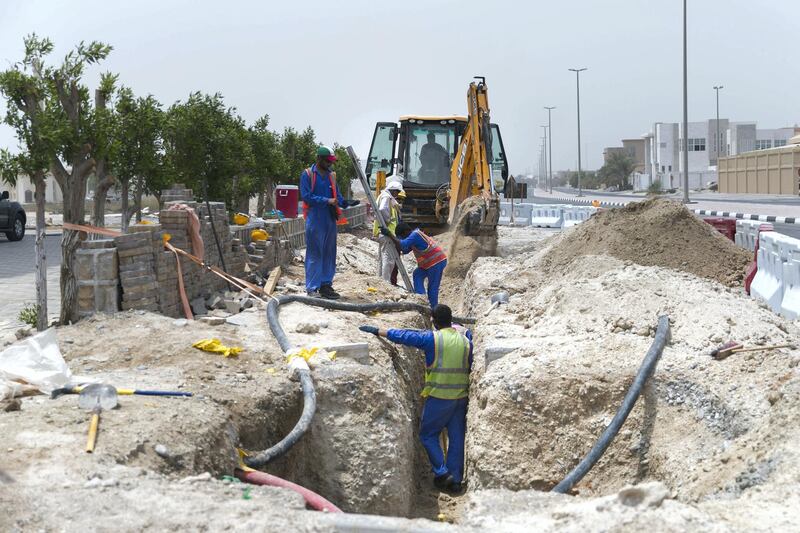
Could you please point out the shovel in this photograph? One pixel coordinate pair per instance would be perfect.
(96, 397)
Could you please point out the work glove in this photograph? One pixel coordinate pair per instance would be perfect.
(385, 232)
(369, 329)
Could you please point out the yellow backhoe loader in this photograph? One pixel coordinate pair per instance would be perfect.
(442, 161)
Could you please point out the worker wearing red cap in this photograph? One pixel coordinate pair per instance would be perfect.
(322, 208)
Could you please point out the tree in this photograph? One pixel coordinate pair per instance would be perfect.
(48, 109)
(616, 170)
(136, 153)
(345, 173)
(207, 145)
(104, 124)
(298, 150)
(269, 163)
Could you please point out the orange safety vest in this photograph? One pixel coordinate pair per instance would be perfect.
(342, 220)
(430, 256)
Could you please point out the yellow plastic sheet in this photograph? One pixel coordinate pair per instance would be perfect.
(216, 346)
(307, 354)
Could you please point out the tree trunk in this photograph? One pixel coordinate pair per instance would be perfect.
(74, 190)
(260, 204)
(137, 199)
(41, 257)
(269, 192)
(104, 183)
(125, 213)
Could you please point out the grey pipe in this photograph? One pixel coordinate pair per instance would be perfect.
(605, 440)
(309, 395)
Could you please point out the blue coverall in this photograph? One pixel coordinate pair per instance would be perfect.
(320, 229)
(438, 414)
(434, 274)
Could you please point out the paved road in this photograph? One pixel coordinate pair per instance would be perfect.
(705, 196)
(793, 230)
(17, 282)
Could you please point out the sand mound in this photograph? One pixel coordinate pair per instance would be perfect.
(654, 233)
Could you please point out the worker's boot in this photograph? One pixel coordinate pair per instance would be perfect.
(454, 487)
(327, 292)
(443, 482)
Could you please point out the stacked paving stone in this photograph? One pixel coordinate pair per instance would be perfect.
(98, 284)
(178, 193)
(137, 271)
(176, 224)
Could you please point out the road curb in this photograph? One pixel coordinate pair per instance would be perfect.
(576, 200)
(748, 216)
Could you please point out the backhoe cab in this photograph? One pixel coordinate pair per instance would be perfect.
(432, 156)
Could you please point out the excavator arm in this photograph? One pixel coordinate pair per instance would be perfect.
(470, 173)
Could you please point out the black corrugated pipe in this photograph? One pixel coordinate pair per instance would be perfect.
(301, 367)
(645, 371)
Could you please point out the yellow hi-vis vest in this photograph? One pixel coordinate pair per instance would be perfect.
(448, 377)
(394, 211)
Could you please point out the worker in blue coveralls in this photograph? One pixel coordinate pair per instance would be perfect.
(431, 259)
(322, 209)
(448, 359)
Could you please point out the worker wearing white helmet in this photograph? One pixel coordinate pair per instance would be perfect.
(390, 210)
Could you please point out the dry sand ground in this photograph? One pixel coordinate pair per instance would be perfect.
(713, 443)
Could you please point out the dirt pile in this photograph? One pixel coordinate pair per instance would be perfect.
(656, 232)
(721, 435)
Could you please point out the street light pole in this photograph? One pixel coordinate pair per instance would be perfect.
(719, 140)
(685, 115)
(577, 72)
(544, 152)
(550, 146)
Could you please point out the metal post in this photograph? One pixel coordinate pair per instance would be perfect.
(685, 116)
(550, 146)
(544, 154)
(719, 140)
(577, 72)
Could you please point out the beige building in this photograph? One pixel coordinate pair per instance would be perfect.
(770, 171)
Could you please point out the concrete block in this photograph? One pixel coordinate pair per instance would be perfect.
(131, 240)
(357, 351)
(212, 320)
(199, 306)
(129, 281)
(98, 243)
(232, 306)
(146, 250)
(493, 353)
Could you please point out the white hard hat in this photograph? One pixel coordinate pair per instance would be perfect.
(394, 186)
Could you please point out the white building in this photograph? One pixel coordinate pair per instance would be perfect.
(706, 141)
(23, 191)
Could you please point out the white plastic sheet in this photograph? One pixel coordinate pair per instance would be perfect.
(36, 361)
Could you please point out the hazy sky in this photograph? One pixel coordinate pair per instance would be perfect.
(340, 66)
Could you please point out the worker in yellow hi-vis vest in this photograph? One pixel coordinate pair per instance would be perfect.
(448, 359)
(390, 210)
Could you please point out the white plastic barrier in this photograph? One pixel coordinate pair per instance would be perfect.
(522, 214)
(746, 233)
(790, 303)
(778, 263)
(505, 214)
(574, 215)
(547, 216)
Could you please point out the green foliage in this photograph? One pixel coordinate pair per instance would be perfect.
(655, 188)
(207, 143)
(299, 151)
(136, 154)
(588, 180)
(269, 162)
(616, 170)
(345, 173)
(29, 315)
